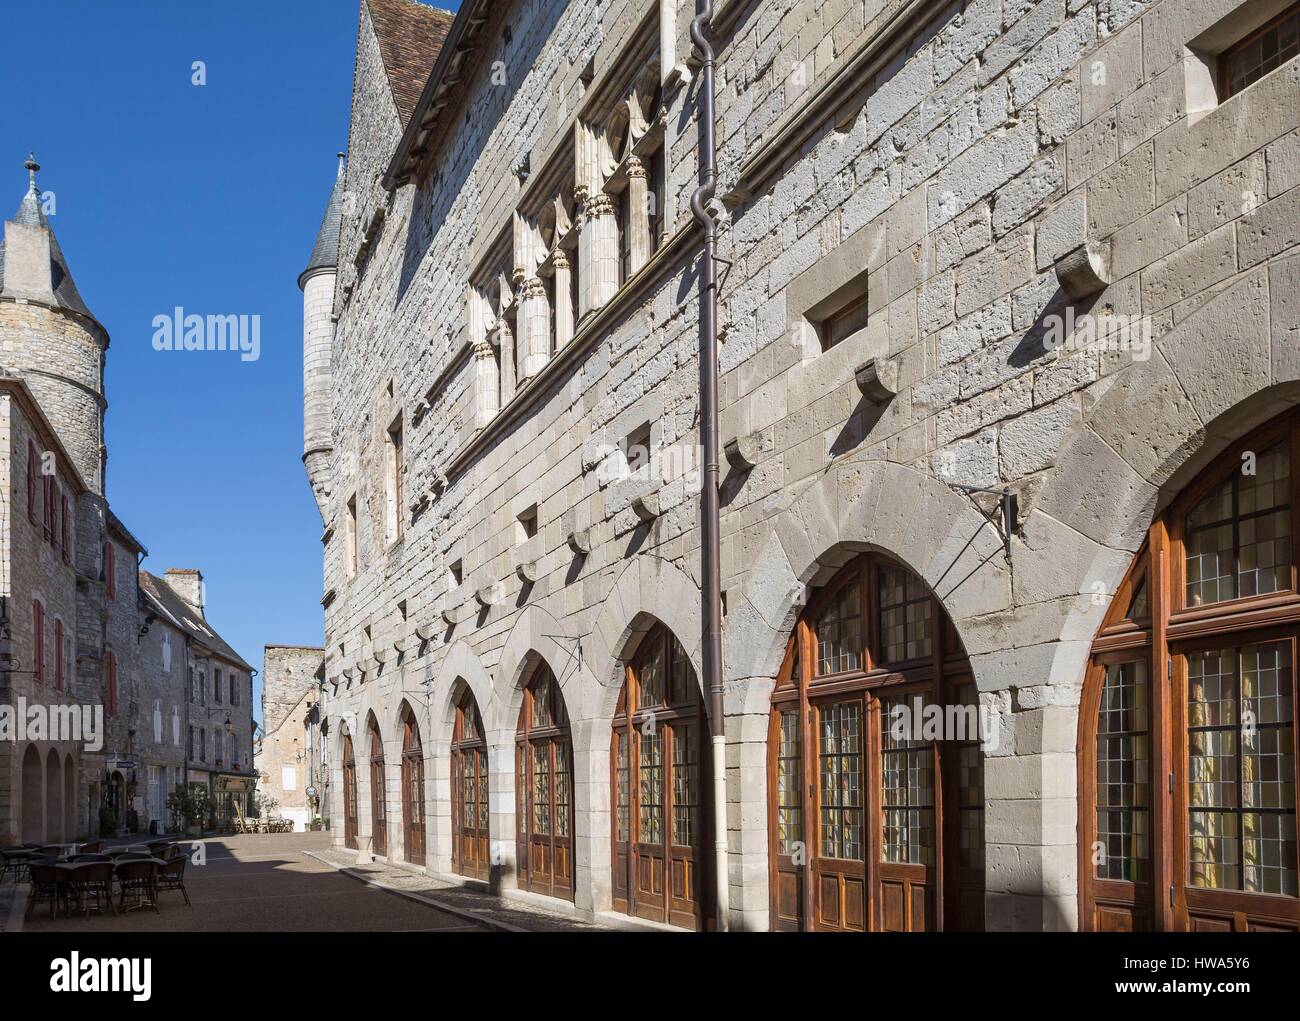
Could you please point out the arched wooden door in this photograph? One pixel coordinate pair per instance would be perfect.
(876, 820)
(412, 788)
(1188, 762)
(544, 788)
(469, 791)
(378, 793)
(662, 784)
(349, 794)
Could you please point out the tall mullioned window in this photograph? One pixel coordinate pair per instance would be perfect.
(1195, 665)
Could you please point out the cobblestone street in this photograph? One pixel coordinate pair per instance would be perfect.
(291, 883)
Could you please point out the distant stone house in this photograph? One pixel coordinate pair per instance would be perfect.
(287, 754)
(1007, 374)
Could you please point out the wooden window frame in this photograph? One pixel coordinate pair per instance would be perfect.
(1224, 59)
(31, 484)
(544, 861)
(950, 897)
(1164, 641)
(471, 844)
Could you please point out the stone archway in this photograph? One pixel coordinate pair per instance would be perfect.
(54, 798)
(33, 786)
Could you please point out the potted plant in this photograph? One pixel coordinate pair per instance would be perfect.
(316, 825)
(189, 806)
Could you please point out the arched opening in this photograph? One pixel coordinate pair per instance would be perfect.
(69, 798)
(544, 788)
(875, 775)
(378, 793)
(53, 798)
(33, 797)
(662, 788)
(412, 787)
(469, 790)
(349, 794)
(1187, 746)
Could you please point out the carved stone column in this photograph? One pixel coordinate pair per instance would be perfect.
(565, 313)
(597, 253)
(534, 327)
(638, 213)
(487, 384)
(506, 348)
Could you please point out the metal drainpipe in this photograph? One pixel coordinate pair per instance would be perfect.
(710, 545)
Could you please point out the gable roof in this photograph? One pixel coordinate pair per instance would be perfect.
(409, 36)
(163, 599)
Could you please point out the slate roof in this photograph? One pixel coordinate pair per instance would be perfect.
(30, 214)
(162, 599)
(325, 253)
(410, 36)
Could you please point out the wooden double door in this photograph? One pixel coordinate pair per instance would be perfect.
(470, 849)
(349, 794)
(661, 780)
(544, 788)
(378, 794)
(413, 791)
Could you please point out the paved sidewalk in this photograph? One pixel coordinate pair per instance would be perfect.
(473, 902)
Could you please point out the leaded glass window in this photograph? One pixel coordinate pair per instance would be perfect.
(563, 780)
(840, 760)
(970, 790)
(907, 773)
(541, 788)
(789, 783)
(1123, 768)
(651, 769)
(839, 632)
(905, 611)
(686, 779)
(1238, 539)
(622, 784)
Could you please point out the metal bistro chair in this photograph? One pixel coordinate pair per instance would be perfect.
(15, 860)
(171, 876)
(49, 883)
(81, 859)
(91, 879)
(138, 877)
(161, 848)
(91, 847)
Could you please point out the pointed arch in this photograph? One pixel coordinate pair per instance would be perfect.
(413, 806)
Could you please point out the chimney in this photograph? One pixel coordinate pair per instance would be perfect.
(188, 584)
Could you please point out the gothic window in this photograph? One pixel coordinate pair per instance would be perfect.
(661, 779)
(395, 478)
(876, 820)
(469, 790)
(1187, 725)
(544, 791)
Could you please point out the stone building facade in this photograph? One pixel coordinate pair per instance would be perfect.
(287, 755)
(93, 652)
(1003, 281)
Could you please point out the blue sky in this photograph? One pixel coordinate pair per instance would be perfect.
(209, 198)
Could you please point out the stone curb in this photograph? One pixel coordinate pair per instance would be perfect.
(472, 916)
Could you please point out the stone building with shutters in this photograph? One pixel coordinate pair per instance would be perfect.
(94, 700)
(1009, 357)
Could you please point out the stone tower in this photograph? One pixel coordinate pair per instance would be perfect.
(317, 284)
(48, 337)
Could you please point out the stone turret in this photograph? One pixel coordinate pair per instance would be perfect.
(317, 284)
(48, 337)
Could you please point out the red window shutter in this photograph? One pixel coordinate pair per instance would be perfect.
(38, 641)
(111, 700)
(58, 655)
(54, 513)
(63, 540)
(31, 482)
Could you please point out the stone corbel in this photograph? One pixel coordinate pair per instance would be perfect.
(399, 645)
(489, 595)
(877, 378)
(1086, 270)
(528, 571)
(382, 653)
(579, 541)
(647, 506)
(424, 632)
(449, 615)
(744, 452)
(369, 665)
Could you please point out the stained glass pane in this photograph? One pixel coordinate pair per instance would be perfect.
(650, 672)
(1241, 769)
(622, 783)
(840, 769)
(651, 767)
(839, 632)
(789, 783)
(481, 766)
(1123, 773)
(541, 788)
(686, 769)
(563, 785)
(905, 616)
(907, 773)
(1239, 537)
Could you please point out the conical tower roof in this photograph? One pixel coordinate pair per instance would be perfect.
(31, 214)
(325, 254)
